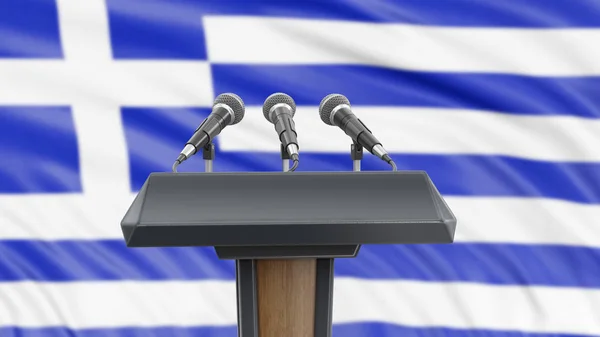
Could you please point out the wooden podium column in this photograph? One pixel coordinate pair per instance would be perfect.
(286, 297)
(291, 297)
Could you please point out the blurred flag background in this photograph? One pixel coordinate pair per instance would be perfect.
(499, 101)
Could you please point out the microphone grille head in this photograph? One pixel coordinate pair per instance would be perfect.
(329, 103)
(235, 103)
(278, 98)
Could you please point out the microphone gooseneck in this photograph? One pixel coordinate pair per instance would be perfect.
(335, 110)
(279, 109)
(228, 109)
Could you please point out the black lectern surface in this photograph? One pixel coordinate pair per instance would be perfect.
(284, 230)
(283, 208)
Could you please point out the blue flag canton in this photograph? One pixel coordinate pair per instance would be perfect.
(30, 29)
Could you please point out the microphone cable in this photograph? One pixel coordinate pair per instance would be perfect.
(296, 163)
(174, 168)
(389, 160)
(179, 160)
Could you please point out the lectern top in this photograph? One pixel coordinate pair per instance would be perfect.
(287, 208)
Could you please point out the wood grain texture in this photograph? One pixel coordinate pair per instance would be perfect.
(286, 297)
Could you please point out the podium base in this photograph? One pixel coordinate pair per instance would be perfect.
(284, 297)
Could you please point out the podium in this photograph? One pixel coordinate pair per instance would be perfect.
(284, 230)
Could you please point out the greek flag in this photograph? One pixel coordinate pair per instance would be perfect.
(499, 101)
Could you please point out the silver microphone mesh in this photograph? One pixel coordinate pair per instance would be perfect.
(235, 103)
(329, 103)
(278, 98)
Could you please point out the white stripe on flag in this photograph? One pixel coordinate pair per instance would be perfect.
(125, 83)
(455, 305)
(262, 40)
(502, 220)
(433, 131)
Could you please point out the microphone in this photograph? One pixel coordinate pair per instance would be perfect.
(335, 110)
(279, 109)
(228, 109)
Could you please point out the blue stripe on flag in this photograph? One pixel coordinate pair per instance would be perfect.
(367, 85)
(172, 29)
(29, 29)
(33, 135)
(503, 264)
(339, 330)
(107, 260)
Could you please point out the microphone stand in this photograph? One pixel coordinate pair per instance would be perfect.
(285, 159)
(208, 154)
(356, 152)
